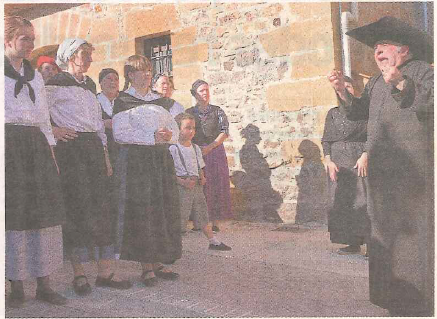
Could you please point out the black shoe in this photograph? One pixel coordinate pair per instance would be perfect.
(215, 229)
(81, 290)
(108, 282)
(148, 282)
(222, 247)
(16, 300)
(349, 250)
(50, 296)
(167, 275)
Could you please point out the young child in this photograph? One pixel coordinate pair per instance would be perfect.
(189, 164)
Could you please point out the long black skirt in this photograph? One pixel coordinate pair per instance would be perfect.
(85, 188)
(32, 186)
(152, 228)
(348, 222)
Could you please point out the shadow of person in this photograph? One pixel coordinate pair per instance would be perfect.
(311, 182)
(262, 201)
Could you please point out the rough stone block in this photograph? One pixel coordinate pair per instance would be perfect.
(122, 49)
(287, 212)
(228, 66)
(160, 18)
(312, 64)
(309, 10)
(323, 94)
(289, 96)
(184, 76)
(54, 29)
(103, 30)
(85, 28)
(193, 6)
(73, 30)
(321, 117)
(229, 18)
(231, 160)
(191, 54)
(37, 26)
(272, 10)
(100, 52)
(276, 43)
(310, 35)
(184, 37)
(183, 97)
(245, 58)
(63, 24)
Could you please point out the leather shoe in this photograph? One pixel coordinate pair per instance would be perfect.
(81, 290)
(221, 247)
(50, 296)
(108, 282)
(168, 275)
(148, 282)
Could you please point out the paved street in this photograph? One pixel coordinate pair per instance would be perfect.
(272, 271)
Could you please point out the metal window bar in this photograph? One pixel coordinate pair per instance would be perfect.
(161, 58)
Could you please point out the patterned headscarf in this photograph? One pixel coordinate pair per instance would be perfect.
(66, 50)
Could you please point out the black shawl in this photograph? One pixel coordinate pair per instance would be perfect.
(125, 102)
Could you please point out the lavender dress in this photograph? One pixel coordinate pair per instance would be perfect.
(209, 125)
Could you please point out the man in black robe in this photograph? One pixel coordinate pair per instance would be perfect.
(399, 106)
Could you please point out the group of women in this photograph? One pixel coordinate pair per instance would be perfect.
(99, 177)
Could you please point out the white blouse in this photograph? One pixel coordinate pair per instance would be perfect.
(107, 105)
(189, 154)
(138, 125)
(21, 110)
(148, 97)
(76, 108)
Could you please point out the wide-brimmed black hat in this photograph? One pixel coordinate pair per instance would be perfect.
(392, 29)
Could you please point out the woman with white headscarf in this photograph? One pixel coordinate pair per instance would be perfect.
(85, 167)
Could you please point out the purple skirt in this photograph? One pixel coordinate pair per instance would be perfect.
(217, 187)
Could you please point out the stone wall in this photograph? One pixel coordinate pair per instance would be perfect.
(266, 64)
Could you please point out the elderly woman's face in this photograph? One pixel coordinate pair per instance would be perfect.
(110, 83)
(162, 86)
(202, 94)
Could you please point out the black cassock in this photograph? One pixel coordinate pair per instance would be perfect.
(344, 141)
(401, 188)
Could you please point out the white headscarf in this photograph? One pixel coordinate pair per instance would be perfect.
(66, 50)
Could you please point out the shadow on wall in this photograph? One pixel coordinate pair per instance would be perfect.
(311, 183)
(261, 201)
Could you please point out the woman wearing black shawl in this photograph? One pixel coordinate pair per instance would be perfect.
(85, 167)
(343, 144)
(151, 228)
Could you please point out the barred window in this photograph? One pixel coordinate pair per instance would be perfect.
(158, 50)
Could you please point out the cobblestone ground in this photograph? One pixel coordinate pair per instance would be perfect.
(272, 271)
